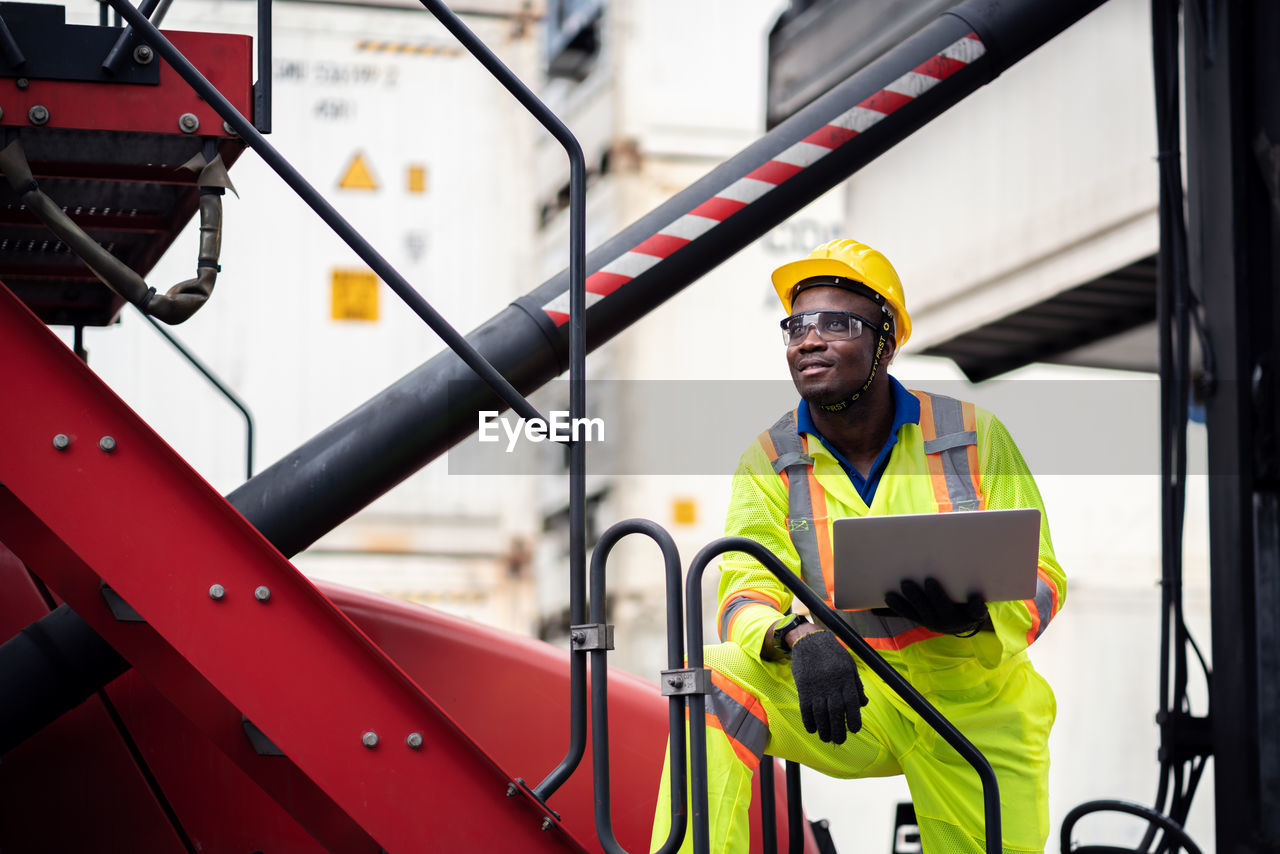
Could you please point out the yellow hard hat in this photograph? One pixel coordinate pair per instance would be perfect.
(851, 260)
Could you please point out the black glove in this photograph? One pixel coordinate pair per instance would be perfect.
(931, 607)
(828, 686)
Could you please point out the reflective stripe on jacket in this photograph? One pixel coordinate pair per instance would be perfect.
(789, 488)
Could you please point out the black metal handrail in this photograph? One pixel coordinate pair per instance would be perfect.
(768, 808)
(851, 639)
(1174, 832)
(577, 331)
(217, 383)
(600, 687)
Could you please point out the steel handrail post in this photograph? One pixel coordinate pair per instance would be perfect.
(262, 88)
(600, 686)
(831, 619)
(795, 810)
(768, 807)
(291, 176)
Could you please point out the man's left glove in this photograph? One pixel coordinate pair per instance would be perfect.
(931, 607)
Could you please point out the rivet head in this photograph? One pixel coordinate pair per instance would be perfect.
(414, 740)
(369, 739)
(546, 824)
(39, 114)
(22, 82)
(107, 443)
(188, 123)
(262, 593)
(216, 592)
(228, 129)
(142, 54)
(61, 441)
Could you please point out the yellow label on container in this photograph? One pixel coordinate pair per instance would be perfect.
(354, 295)
(358, 175)
(417, 178)
(684, 511)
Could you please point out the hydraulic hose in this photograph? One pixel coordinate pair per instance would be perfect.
(180, 301)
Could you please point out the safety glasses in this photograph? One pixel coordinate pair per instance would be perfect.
(830, 325)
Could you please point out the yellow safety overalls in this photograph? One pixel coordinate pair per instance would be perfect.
(787, 490)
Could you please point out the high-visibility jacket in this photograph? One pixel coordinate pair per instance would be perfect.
(789, 488)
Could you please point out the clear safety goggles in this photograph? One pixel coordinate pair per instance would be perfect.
(830, 325)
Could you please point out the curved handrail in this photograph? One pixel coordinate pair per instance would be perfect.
(600, 686)
(1153, 818)
(882, 668)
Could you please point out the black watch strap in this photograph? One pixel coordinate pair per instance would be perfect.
(780, 633)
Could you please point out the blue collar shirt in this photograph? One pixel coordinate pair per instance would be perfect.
(906, 410)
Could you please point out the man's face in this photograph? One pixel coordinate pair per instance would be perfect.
(827, 372)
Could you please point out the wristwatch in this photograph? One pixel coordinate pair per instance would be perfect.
(780, 632)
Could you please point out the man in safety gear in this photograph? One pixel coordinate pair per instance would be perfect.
(860, 444)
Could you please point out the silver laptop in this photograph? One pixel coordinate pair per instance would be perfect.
(992, 552)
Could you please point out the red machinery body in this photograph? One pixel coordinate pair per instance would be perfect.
(164, 751)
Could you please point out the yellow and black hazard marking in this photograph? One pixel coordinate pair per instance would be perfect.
(408, 48)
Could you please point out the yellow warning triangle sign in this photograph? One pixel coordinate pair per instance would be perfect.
(358, 176)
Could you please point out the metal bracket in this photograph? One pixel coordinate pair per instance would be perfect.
(590, 636)
(690, 680)
(550, 818)
(1184, 736)
(262, 745)
(120, 609)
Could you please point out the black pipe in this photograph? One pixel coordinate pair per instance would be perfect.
(348, 465)
(831, 619)
(48, 668)
(600, 692)
(795, 810)
(768, 807)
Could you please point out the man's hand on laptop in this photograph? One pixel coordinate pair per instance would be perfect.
(930, 606)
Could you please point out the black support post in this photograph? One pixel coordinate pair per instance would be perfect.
(1233, 169)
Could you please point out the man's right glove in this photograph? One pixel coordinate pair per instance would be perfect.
(931, 607)
(827, 683)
